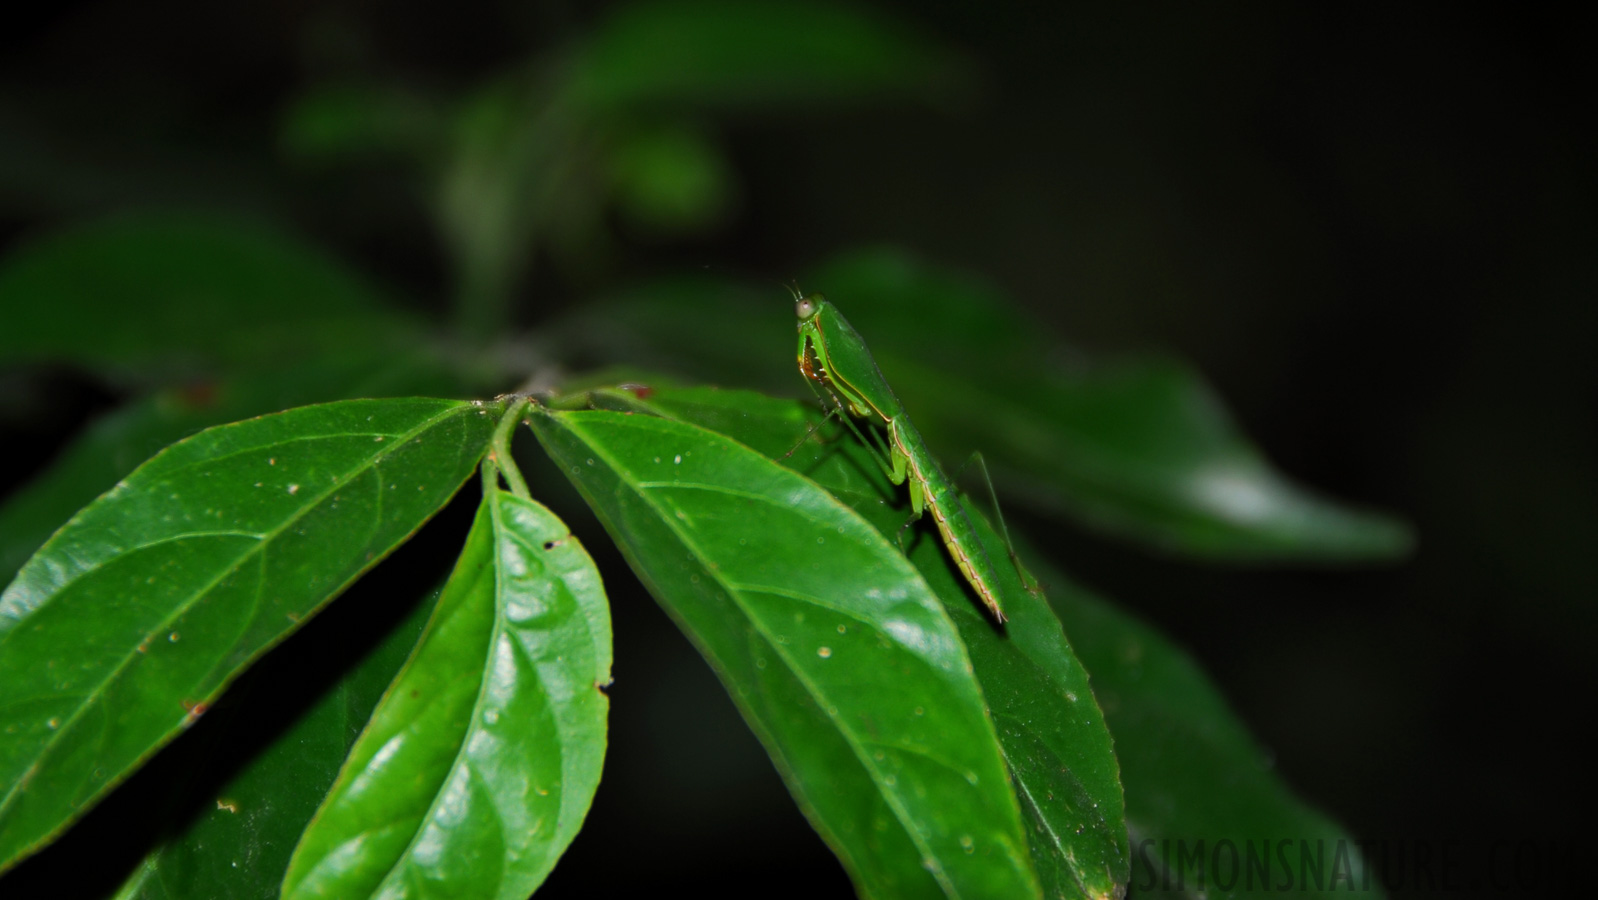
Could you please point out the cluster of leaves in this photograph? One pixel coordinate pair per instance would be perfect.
(457, 751)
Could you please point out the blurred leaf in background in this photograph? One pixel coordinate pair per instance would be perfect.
(1140, 448)
(535, 160)
(175, 294)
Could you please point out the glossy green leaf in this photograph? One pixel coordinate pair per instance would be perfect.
(721, 52)
(131, 620)
(238, 844)
(1193, 773)
(167, 290)
(1141, 448)
(111, 447)
(1054, 737)
(477, 770)
(839, 656)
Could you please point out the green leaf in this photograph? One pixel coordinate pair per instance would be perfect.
(111, 447)
(339, 121)
(1192, 771)
(477, 770)
(238, 844)
(725, 53)
(1054, 737)
(705, 328)
(670, 180)
(128, 624)
(170, 290)
(1140, 448)
(512, 176)
(838, 654)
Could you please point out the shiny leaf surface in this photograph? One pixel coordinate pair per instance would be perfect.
(1053, 735)
(480, 764)
(131, 620)
(839, 656)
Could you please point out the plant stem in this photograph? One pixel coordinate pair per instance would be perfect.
(499, 457)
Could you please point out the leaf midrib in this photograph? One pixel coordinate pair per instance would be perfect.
(892, 797)
(463, 759)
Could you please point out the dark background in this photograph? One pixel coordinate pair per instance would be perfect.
(1372, 228)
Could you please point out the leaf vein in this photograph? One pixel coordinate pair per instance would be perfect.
(116, 672)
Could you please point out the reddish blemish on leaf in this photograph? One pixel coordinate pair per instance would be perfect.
(195, 710)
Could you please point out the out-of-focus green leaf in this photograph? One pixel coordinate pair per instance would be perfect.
(238, 846)
(1194, 775)
(346, 120)
(131, 620)
(1139, 448)
(166, 291)
(1142, 448)
(515, 174)
(839, 656)
(726, 53)
(670, 180)
(478, 768)
(1051, 730)
(703, 328)
(111, 447)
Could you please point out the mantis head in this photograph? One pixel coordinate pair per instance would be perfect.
(806, 307)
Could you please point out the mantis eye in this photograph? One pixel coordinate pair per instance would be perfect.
(807, 306)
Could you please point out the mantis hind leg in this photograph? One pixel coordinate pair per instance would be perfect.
(899, 537)
(814, 427)
(1027, 581)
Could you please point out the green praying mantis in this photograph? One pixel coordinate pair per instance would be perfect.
(834, 356)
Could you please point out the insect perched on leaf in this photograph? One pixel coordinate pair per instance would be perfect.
(833, 355)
